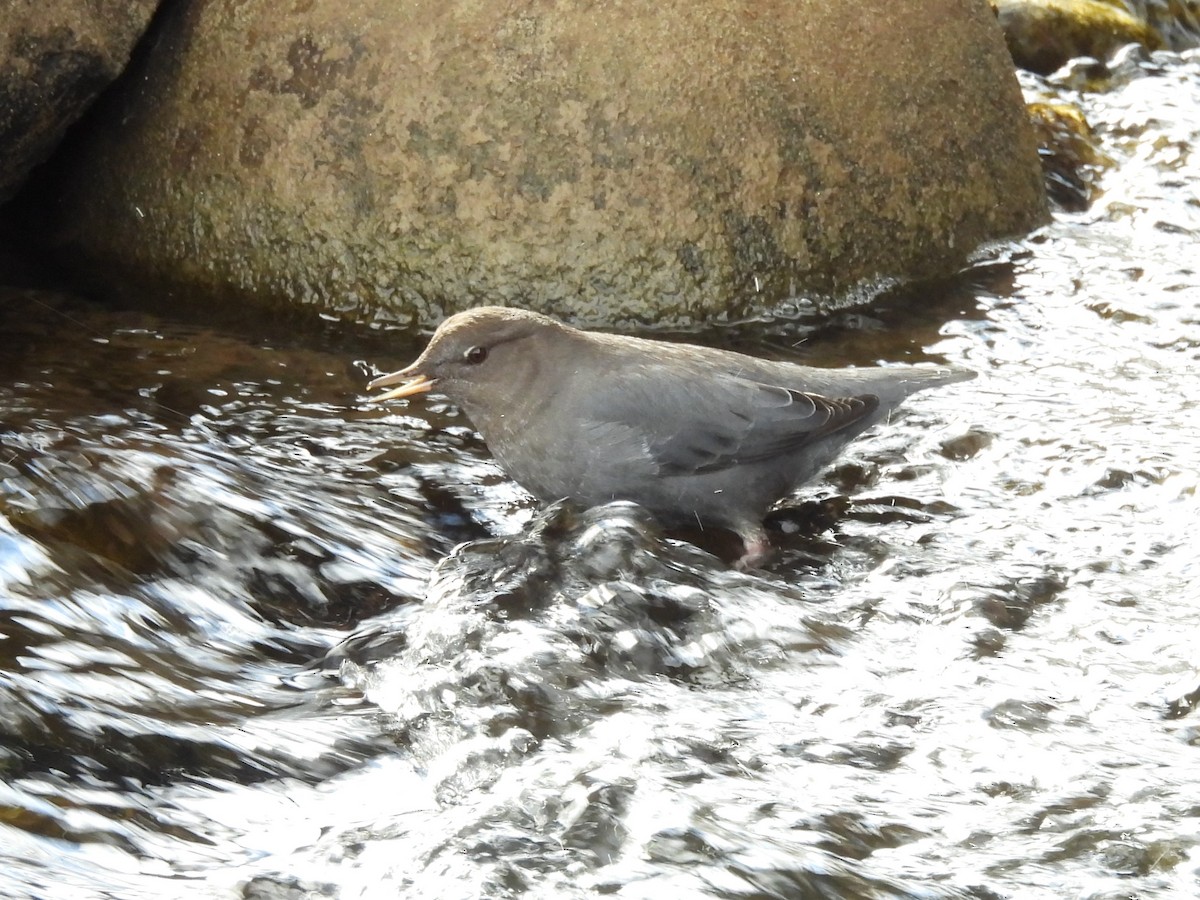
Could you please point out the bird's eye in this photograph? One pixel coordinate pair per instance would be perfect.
(476, 355)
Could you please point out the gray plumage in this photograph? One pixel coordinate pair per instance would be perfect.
(695, 434)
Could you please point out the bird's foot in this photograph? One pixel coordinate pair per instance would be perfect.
(756, 550)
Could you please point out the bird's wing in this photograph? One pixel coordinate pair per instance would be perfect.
(706, 424)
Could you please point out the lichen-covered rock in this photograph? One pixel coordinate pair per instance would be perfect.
(657, 161)
(55, 57)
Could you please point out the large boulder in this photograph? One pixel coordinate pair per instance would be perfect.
(668, 160)
(55, 57)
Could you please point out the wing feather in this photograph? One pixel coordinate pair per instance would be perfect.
(690, 426)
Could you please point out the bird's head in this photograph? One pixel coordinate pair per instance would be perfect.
(481, 359)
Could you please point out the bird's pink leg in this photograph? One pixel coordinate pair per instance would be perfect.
(756, 548)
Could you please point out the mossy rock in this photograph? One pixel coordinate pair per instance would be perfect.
(1043, 35)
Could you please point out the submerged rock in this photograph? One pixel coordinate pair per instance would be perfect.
(670, 161)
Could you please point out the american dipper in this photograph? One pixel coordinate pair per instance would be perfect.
(697, 435)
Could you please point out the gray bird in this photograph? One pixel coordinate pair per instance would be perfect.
(697, 435)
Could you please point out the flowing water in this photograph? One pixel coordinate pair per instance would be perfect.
(260, 638)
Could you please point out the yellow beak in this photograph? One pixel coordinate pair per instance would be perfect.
(414, 383)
